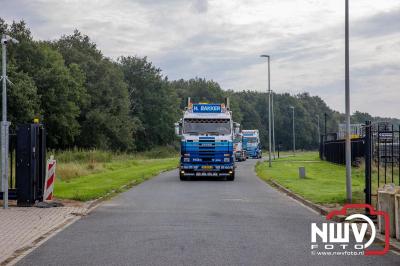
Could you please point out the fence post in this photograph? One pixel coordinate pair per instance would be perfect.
(321, 143)
(368, 163)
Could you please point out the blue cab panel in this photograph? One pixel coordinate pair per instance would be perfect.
(207, 154)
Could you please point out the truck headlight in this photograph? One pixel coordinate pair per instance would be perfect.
(187, 155)
(226, 160)
(186, 160)
(227, 155)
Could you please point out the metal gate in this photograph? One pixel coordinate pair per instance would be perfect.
(12, 146)
(12, 191)
(382, 156)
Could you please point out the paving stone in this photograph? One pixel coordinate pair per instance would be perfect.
(20, 227)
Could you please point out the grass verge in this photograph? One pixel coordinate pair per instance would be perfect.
(76, 162)
(114, 176)
(324, 183)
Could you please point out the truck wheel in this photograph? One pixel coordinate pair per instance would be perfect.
(231, 177)
(183, 178)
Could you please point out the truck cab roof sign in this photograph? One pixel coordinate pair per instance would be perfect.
(207, 108)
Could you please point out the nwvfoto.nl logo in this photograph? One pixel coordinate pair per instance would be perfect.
(348, 238)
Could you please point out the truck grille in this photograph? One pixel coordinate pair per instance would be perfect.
(207, 150)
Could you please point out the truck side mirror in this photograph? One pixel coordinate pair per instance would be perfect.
(178, 129)
(236, 128)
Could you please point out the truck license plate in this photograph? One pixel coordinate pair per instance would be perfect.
(207, 167)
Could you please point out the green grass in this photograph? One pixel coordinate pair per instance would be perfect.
(110, 180)
(77, 162)
(324, 183)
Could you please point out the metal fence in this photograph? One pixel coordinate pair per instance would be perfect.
(385, 143)
(335, 151)
(12, 191)
(378, 147)
(382, 154)
(12, 169)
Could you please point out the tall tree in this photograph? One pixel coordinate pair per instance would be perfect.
(105, 118)
(58, 88)
(153, 102)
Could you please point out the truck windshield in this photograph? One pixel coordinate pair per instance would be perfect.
(207, 126)
(250, 140)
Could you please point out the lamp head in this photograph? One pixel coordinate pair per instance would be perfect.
(5, 39)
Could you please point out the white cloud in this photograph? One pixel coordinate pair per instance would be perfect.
(222, 40)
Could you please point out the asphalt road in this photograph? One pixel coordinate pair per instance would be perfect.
(168, 222)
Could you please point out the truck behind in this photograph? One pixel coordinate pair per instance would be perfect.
(251, 143)
(238, 147)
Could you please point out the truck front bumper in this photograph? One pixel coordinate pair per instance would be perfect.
(206, 170)
(215, 174)
(240, 155)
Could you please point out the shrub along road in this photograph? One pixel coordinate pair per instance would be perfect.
(167, 222)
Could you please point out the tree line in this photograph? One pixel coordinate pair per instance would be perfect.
(87, 100)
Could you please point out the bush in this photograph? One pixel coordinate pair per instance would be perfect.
(83, 156)
(160, 152)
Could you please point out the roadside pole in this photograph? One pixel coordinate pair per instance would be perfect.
(319, 131)
(4, 126)
(269, 112)
(293, 132)
(347, 94)
(273, 125)
(4, 123)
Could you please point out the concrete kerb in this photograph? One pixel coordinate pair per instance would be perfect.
(324, 211)
(22, 252)
(89, 206)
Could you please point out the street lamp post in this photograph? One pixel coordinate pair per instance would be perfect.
(347, 95)
(5, 39)
(273, 124)
(318, 130)
(269, 111)
(293, 133)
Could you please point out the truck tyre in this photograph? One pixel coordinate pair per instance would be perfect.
(183, 178)
(231, 177)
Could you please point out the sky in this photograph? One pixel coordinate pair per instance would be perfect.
(222, 40)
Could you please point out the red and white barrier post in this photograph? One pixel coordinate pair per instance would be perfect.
(50, 178)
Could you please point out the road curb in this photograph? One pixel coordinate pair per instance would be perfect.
(318, 208)
(90, 206)
(323, 211)
(24, 251)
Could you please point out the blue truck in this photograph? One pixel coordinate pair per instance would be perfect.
(251, 143)
(206, 132)
(238, 147)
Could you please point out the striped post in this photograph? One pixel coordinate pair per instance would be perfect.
(50, 178)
